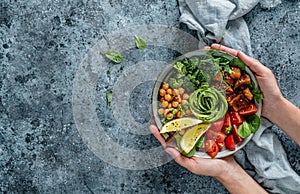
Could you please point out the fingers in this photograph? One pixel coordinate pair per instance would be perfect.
(179, 159)
(154, 130)
(253, 64)
(225, 49)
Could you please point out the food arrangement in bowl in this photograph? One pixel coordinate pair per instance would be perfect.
(207, 103)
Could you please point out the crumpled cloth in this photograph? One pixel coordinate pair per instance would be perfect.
(221, 21)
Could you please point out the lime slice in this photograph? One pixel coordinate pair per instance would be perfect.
(178, 124)
(190, 138)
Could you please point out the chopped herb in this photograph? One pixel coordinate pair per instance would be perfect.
(228, 130)
(200, 142)
(237, 62)
(114, 56)
(108, 71)
(257, 94)
(140, 42)
(108, 97)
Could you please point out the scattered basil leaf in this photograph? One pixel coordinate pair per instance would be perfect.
(228, 130)
(114, 56)
(108, 97)
(140, 42)
(200, 142)
(244, 130)
(254, 122)
(108, 71)
(237, 62)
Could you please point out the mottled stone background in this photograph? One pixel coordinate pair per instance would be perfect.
(42, 44)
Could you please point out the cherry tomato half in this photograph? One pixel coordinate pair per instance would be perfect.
(220, 137)
(211, 148)
(252, 109)
(229, 142)
(236, 136)
(226, 120)
(235, 118)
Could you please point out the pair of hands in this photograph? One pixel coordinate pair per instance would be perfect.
(219, 168)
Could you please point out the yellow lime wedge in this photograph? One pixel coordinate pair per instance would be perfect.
(178, 124)
(192, 135)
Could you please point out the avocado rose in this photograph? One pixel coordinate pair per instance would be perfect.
(208, 103)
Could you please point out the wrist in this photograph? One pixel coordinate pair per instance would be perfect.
(271, 108)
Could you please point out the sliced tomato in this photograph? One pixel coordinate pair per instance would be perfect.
(250, 110)
(235, 117)
(236, 136)
(220, 145)
(226, 120)
(220, 137)
(229, 142)
(211, 148)
(217, 125)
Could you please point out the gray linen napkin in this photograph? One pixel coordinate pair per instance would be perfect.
(221, 21)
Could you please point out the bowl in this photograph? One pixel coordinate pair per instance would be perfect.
(165, 75)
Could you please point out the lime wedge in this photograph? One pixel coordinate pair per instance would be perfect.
(178, 124)
(192, 135)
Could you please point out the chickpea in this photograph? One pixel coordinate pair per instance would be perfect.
(185, 96)
(181, 91)
(175, 92)
(161, 111)
(183, 102)
(162, 92)
(170, 105)
(170, 91)
(165, 86)
(168, 97)
(188, 112)
(175, 104)
(178, 114)
(176, 98)
(165, 104)
(169, 116)
(166, 112)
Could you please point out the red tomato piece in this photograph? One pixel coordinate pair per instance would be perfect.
(235, 118)
(226, 120)
(217, 125)
(236, 136)
(250, 110)
(220, 137)
(220, 145)
(229, 142)
(211, 148)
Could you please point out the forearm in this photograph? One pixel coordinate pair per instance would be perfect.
(287, 117)
(236, 180)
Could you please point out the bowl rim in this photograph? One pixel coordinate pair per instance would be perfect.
(162, 76)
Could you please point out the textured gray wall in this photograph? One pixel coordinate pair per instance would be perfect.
(42, 44)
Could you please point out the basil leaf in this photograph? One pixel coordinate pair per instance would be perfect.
(254, 122)
(114, 56)
(200, 142)
(140, 42)
(237, 62)
(228, 130)
(244, 130)
(108, 97)
(257, 94)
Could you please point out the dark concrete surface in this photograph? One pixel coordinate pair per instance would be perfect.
(42, 43)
